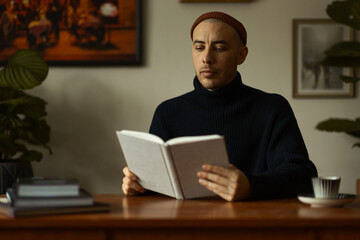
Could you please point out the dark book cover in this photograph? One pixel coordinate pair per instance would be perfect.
(84, 199)
(8, 210)
(47, 187)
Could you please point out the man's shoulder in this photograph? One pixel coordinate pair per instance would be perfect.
(267, 100)
(266, 96)
(175, 101)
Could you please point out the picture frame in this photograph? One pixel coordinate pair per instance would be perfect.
(75, 32)
(311, 38)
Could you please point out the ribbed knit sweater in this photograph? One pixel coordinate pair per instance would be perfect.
(261, 134)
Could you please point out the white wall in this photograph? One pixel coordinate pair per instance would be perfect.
(87, 105)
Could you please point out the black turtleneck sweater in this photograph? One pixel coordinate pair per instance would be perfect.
(261, 134)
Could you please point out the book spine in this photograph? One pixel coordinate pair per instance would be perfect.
(172, 172)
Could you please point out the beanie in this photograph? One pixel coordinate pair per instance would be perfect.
(239, 28)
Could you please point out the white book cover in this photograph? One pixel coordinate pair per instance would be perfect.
(171, 167)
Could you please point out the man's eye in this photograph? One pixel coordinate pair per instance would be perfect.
(199, 47)
(220, 49)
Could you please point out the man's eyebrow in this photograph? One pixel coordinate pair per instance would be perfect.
(215, 42)
(198, 41)
(221, 42)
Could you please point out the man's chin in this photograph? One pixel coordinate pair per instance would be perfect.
(210, 86)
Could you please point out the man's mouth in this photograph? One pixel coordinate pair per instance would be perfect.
(208, 72)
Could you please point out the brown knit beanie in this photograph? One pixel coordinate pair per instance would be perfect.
(240, 29)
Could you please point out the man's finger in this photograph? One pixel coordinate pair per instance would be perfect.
(129, 174)
(129, 185)
(226, 196)
(214, 177)
(216, 169)
(126, 170)
(137, 187)
(221, 191)
(129, 191)
(212, 186)
(134, 185)
(230, 173)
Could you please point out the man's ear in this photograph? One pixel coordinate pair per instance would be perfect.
(243, 51)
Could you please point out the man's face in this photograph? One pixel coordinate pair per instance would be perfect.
(216, 52)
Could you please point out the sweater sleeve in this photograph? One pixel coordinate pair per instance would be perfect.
(158, 125)
(289, 167)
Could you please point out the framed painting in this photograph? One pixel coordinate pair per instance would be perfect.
(73, 32)
(311, 79)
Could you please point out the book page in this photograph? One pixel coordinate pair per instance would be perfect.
(142, 135)
(188, 160)
(144, 157)
(188, 139)
(174, 178)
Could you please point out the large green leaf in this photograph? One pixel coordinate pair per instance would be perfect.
(341, 62)
(345, 12)
(22, 104)
(343, 54)
(7, 146)
(25, 70)
(344, 49)
(31, 107)
(349, 79)
(39, 133)
(341, 125)
(11, 122)
(31, 155)
(7, 93)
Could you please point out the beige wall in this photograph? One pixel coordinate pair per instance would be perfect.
(87, 105)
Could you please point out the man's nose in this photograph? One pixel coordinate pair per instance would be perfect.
(207, 57)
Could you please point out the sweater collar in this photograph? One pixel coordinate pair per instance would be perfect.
(232, 88)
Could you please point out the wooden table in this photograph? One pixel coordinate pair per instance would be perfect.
(160, 217)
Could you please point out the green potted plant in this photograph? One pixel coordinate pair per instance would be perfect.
(23, 130)
(344, 54)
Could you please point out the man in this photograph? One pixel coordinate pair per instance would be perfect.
(268, 155)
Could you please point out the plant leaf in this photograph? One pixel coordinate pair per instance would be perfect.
(341, 62)
(345, 12)
(30, 155)
(343, 54)
(349, 79)
(344, 49)
(29, 106)
(340, 125)
(7, 146)
(25, 70)
(37, 134)
(7, 93)
(10, 122)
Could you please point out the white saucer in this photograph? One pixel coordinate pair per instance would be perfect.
(342, 199)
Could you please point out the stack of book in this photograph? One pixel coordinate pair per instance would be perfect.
(46, 196)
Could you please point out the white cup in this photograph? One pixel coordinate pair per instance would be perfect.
(326, 187)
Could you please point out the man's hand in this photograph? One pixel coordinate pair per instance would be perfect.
(130, 185)
(229, 183)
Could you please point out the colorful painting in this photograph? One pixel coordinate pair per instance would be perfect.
(73, 32)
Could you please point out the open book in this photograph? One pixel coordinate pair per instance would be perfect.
(171, 167)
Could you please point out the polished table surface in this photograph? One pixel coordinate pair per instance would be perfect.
(161, 217)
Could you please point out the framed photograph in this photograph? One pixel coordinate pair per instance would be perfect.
(73, 32)
(311, 38)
